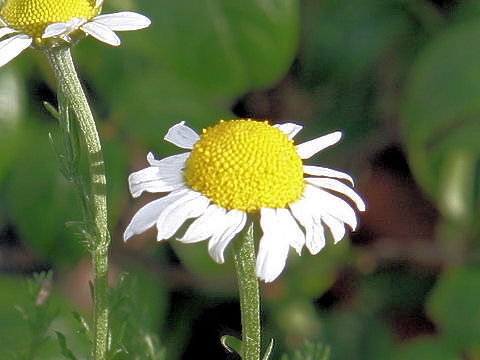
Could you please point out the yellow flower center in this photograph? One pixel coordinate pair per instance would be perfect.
(245, 165)
(33, 16)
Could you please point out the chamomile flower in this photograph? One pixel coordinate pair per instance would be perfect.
(241, 167)
(46, 23)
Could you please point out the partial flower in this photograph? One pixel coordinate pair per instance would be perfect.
(46, 23)
(241, 167)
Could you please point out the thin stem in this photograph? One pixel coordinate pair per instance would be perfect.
(244, 257)
(98, 238)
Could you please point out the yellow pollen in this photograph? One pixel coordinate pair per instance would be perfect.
(245, 165)
(33, 16)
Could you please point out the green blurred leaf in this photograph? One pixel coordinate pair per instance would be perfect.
(12, 98)
(196, 259)
(116, 168)
(12, 104)
(138, 306)
(355, 336)
(467, 10)
(40, 200)
(298, 319)
(15, 327)
(426, 348)
(311, 276)
(441, 117)
(454, 305)
(226, 48)
(343, 38)
(310, 351)
(191, 64)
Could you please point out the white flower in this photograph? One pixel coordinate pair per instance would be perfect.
(239, 167)
(45, 23)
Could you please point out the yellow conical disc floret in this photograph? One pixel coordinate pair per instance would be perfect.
(246, 165)
(33, 16)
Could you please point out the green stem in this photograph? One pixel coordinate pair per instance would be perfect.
(244, 257)
(61, 61)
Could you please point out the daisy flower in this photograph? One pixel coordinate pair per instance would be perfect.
(46, 23)
(242, 167)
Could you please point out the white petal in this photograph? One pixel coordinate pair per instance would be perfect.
(63, 28)
(6, 31)
(123, 21)
(13, 46)
(98, 3)
(206, 225)
(273, 248)
(174, 162)
(233, 222)
(148, 215)
(314, 233)
(155, 179)
(336, 227)
(55, 29)
(101, 32)
(191, 205)
(290, 230)
(339, 187)
(289, 129)
(310, 148)
(323, 171)
(182, 136)
(323, 202)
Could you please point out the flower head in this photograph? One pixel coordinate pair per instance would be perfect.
(240, 167)
(46, 23)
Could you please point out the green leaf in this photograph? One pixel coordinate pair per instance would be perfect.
(269, 350)
(441, 115)
(62, 342)
(454, 305)
(52, 110)
(231, 344)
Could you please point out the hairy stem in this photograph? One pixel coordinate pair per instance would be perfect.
(244, 257)
(97, 232)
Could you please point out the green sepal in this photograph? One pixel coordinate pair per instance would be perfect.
(232, 344)
(268, 352)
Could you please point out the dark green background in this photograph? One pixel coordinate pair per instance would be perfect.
(401, 78)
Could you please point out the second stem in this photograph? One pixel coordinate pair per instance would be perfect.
(60, 59)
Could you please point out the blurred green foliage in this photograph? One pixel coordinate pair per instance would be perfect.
(393, 71)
